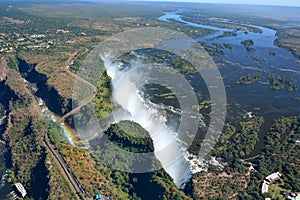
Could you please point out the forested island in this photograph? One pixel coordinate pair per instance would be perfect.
(249, 79)
(278, 82)
(248, 44)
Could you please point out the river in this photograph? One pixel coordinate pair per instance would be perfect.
(237, 61)
(5, 188)
(266, 39)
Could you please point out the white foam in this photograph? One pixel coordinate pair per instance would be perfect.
(128, 95)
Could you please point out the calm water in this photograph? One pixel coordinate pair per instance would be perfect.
(238, 62)
(266, 39)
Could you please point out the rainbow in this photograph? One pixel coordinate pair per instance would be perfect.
(70, 134)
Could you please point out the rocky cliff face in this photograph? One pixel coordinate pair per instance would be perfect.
(6, 93)
(3, 69)
(54, 101)
(23, 133)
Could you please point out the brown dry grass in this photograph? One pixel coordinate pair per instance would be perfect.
(220, 185)
(55, 68)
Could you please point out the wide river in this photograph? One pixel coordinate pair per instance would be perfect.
(237, 62)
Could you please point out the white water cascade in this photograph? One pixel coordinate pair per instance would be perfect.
(135, 107)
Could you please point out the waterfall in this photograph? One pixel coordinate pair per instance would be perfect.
(127, 94)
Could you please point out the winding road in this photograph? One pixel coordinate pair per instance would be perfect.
(62, 166)
(64, 169)
(90, 99)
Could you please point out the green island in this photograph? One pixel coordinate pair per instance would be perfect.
(218, 45)
(130, 137)
(213, 51)
(206, 104)
(249, 79)
(258, 59)
(227, 46)
(279, 82)
(248, 44)
(272, 52)
(225, 34)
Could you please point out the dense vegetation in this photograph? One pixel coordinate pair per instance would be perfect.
(281, 153)
(23, 134)
(103, 99)
(167, 58)
(241, 179)
(248, 44)
(215, 50)
(225, 34)
(12, 62)
(130, 137)
(241, 143)
(227, 46)
(249, 79)
(274, 81)
(96, 177)
(279, 82)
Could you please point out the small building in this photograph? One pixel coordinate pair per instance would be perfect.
(98, 196)
(21, 189)
(273, 177)
(268, 180)
(293, 196)
(265, 187)
(250, 115)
